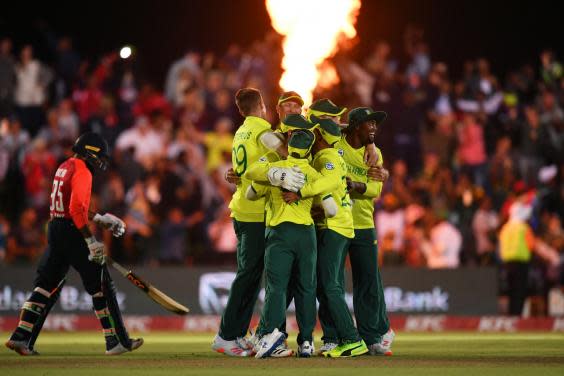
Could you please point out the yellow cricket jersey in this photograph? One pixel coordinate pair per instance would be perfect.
(279, 211)
(330, 164)
(362, 204)
(247, 149)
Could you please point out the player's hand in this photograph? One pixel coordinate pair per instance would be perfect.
(231, 177)
(378, 173)
(291, 179)
(290, 197)
(110, 222)
(96, 248)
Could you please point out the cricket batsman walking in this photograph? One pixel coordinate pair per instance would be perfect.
(70, 243)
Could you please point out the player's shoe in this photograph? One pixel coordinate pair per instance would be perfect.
(327, 346)
(120, 349)
(384, 347)
(20, 347)
(282, 351)
(269, 343)
(254, 340)
(231, 348)
(306, 349)
(347, 350)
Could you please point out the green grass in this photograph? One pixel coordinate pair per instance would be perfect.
(186, 354)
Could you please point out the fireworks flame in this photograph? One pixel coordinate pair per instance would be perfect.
(312, 31)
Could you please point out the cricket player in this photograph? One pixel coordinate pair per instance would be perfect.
(253, 139)
(70, 243)
(290, 249)
(334, 236)
(368, 293)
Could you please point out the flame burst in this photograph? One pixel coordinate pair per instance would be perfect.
(312, 30)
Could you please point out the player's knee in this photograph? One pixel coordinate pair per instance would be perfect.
(99, 294)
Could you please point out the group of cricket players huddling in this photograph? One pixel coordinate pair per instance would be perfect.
(304, 200)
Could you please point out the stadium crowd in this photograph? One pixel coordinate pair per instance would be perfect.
(460, 148)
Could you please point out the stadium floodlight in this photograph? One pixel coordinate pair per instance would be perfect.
(125, 52)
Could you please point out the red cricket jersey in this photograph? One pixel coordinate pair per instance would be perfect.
(70, 196)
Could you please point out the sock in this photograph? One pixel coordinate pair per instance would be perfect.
(30, 313)
(103, 314)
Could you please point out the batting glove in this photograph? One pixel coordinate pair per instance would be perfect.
(110, 222)
(96, 249)
(291, 179)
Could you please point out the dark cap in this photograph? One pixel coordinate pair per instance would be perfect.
(296, 121)
(290, 96)
(359, 115)
(300, 143)
(326, 107)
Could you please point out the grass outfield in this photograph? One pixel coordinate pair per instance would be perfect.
(184, 354)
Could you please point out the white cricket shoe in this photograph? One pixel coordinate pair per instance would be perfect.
(327, 346)
(231, 348)
(282, 351)
(306, 349)
(384, 347)
(269, 343)
(120, 349)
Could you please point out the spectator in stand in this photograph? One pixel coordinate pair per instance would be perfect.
(444, 244)
(87, 99)
(31, 90)
(223, 238)
(551, 69)
(219, 143)
(485, 224)
(530, 159)
(8, 78)
(390, 225)
(440, 138)
(38, 168)
(174, 241)
(68, 119)
(189, 62)
(472, 149)
(147, 143)
(67, 65)
(26, 240)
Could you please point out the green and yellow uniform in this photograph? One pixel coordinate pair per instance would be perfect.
(333, 239)
(369, 304)
(290, 250)
(248, 221)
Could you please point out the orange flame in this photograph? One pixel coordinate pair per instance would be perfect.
(312, 30)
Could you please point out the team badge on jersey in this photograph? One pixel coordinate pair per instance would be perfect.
(341, 152)
(329, 166)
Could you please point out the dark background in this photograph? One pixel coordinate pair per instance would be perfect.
(508, 33)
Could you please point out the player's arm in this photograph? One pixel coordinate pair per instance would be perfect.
(81, 185)
(258, 171)
(109, 222)
(373, 159)
(256, 191)
(321, 183)
(274, 141)
(264, 172)
(371, 189)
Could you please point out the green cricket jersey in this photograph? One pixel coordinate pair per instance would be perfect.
(278, 211)
(330, 164)
(247, 149)
(362, 204)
